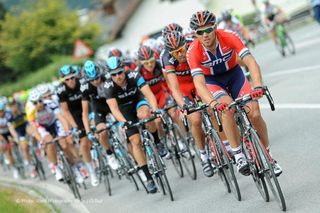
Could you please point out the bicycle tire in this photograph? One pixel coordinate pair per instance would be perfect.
(218, 163)
(18, 161)
(290, 45)
(257, 177)
(71, 180)
(191, 141)
(270, 176)
(185, 154)
(104, 173)
(174, 153)
(229, 171)
(161, 170)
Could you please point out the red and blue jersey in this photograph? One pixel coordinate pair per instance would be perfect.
(228, 45)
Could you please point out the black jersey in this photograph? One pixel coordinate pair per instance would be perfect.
(127, 95)
(90, 93)
(71, 96)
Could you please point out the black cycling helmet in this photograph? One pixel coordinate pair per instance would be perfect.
(115, 52)
(145, 53)
(174, 40)
(226, 16)
(170, 28)
(202, 18)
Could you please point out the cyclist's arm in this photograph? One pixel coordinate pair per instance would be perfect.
(114, 108)
(254, 69)
(85, 115)
(67, 114)
(12, 131)
(173, 84)
(147, 92)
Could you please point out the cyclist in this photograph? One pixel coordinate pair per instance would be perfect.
(7, 132)
(48, 122)
(151, 71)
(70, 96)
(219, 79)
(129, 64)
(94, 80)
(272, 15)
(125, 93)
(19, 121)
(180, 82)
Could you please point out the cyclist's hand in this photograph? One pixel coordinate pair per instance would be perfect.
(124, 125)
(91, 136)
(257, 92)
(74, 131)
(220, 107)
(158, 112)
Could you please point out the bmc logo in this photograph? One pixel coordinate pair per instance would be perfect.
(222, 59)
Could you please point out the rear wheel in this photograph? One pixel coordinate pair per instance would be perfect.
(290, 45)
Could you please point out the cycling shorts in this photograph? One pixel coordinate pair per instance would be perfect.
(77, 116)
(56, 129)
(232, 83)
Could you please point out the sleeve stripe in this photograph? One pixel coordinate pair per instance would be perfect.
(244, 50)
(245, 54)
(170, 71)
(195, 73)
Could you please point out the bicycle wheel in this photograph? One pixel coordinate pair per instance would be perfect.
(271, 178)
(104, 173)
(160, 171)
(18, 161)
(253, 157)
(174, 153)
(217, 161)
(184, 153)
(228, 170)
(40, 170)
(69, 178)
(192, 143)
(290, 45)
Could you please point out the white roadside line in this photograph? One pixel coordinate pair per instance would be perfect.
(290, 71)
(60, 192)
(291, 106)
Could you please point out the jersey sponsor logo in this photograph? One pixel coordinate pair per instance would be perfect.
(155, 80)
(226, 57)
(183, 73)
(84, 87)
(108, 84)
(61, 89)
(133, 74)
(172, 60)
(75, 97)
(130, 93)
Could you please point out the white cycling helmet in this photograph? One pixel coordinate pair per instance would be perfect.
(34, 95)
(44, 89)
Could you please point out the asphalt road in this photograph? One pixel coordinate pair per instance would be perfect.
(293, 131)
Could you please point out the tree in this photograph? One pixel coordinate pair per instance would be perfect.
(30, 39)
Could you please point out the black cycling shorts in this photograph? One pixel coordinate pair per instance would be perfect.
(77, 116)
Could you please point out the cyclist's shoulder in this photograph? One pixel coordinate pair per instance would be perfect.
(61, 88)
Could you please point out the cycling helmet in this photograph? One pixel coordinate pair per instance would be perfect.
(66, 70)
(115, 52)
(174, 40)
(226, 16)
(34, 95)
(115, 65)
(76, 69)
(44, 90)
(91, 71)
(202, 18)
(144, 53)
(151, 42)
(170, 28)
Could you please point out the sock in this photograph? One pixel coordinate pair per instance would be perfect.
(156, 137)
(203, 155)
(146, 172)
(90, 167)
(237, 152)
(227, 145)
(109, 152)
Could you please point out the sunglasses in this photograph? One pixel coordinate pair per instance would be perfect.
(207, 30)
(149, 61)
(67, 79)
(118, 73)
(35, 102)
(182, 50)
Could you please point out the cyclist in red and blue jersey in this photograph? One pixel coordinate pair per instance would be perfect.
(219, 79)
(179, 79)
